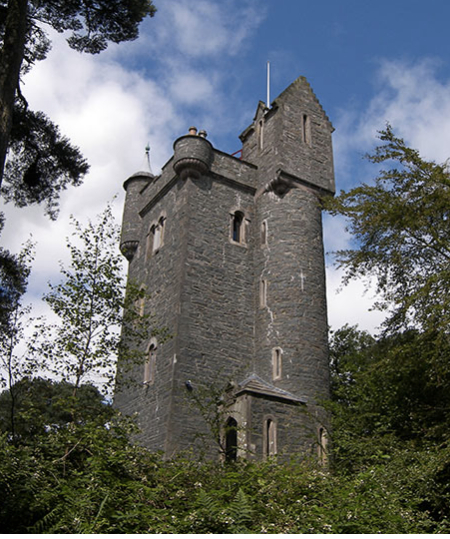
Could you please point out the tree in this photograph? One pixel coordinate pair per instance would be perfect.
(50, 161)
(42, 404)
(91, 305)
(401, 228)
(14, 272)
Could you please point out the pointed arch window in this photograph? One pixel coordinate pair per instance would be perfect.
(158, 234)
(277, 356)
(263, 293)
(155, 237)
(261, 134)
(322, 445)
(264, 234)
(150, 364)
(306, 129)
(231, 439)
(270, 437)
(239, 225)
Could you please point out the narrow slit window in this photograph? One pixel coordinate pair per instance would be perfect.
(264, 233)
(150, 365)
(322, 446)
(149, 243)
(261, 134)
(263, 293)
(270, 438)
(306, 129)
(276, 363)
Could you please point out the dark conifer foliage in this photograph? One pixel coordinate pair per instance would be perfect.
(51, 164)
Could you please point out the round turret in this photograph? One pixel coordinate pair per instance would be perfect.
(131, 223)
(192, 154)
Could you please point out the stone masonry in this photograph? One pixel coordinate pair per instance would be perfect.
(230, 251)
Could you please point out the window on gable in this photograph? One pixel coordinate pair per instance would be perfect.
(261, 134)
(276, 363)
(306, 129)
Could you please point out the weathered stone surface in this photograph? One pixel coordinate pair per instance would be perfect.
(205, 282)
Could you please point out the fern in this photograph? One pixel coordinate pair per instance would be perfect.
(207, 504)
(44, 524)
(232, 517)
(240, 512)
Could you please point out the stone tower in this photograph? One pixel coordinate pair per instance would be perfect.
(230, 250)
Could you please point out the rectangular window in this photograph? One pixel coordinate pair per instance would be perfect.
(306, 130)
(264, 233)
(270, 438)
(263, 293)
(261, 134)
(276, 363)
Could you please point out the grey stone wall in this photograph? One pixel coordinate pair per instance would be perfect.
(206, 288)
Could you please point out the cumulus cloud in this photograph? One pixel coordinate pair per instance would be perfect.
(206, 28)
(416, 102)
(113, 104)
(412, 98)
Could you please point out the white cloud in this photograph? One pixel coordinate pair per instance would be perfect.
(409, 96)
(206, 28)
(111, 105)
(416, 102)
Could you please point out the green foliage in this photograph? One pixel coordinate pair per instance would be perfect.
(14, 273)
(84, 479)
(41, 163)
(41, 405)
(401, 227)
(90, 303)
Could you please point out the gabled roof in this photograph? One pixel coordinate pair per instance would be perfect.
(299, 85)
(253, 384)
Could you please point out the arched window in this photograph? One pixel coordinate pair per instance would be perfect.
(155, 237)
(158, 234)
(263, 293)
(264, 233)
(322, 445)
(261, 134)
(306, 129)
(277, 355)
(150, 364)
(231, 440)
(238, 227)
(140, 303)
(149, 243)
(270, 437)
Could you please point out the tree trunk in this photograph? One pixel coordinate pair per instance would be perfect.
(11, 56)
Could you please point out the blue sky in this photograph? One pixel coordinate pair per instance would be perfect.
(203, 63)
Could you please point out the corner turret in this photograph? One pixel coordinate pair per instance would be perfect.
(193, 154)
(133, 186)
